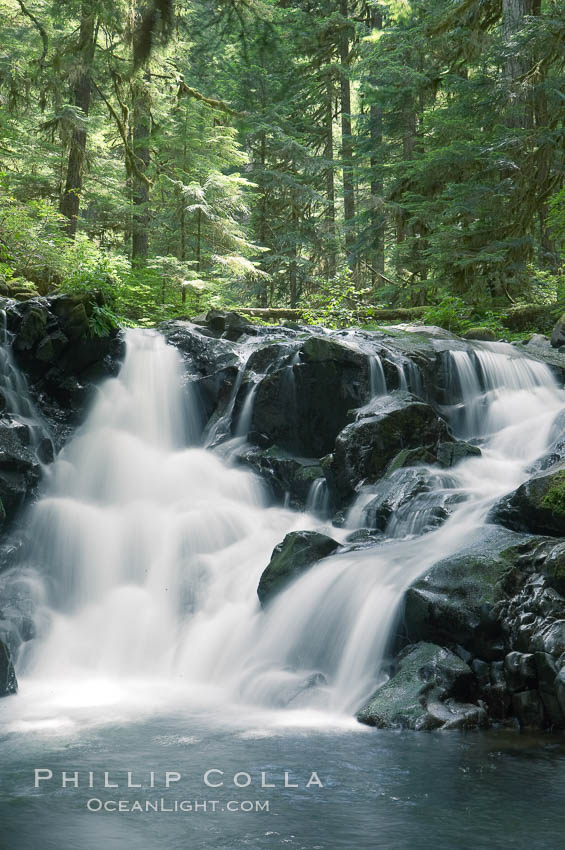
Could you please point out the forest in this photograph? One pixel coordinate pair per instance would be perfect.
(335, 156)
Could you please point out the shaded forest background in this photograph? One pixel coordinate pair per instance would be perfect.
(332, 155)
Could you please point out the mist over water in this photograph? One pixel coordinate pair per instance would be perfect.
(150, 549)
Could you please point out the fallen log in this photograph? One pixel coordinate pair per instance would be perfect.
(391, 314)
(271, 312)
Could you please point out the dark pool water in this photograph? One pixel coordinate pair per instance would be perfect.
(381, 789)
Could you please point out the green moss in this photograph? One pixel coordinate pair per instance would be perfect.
(481, 334)
(554, 499)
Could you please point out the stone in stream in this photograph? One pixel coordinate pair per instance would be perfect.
(365, 448)
(431, 688)
(537, 506)
(8, 681)
(446, 455)
(19, 467)
(297, 553)
(303, 405)
(454, 600)
(287, 475)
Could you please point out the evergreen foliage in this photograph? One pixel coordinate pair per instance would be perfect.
(334, 155)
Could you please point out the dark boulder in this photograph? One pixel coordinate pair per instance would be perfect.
(19, 467)
(528, 708)
(365, 448)
(229, 324)
(8, 681)
(302, 405)
(537, 506)
(520, 671)
(446, 455)
(411, 499)
(558, 333)
(295, 555)
(454, 601)
(290, 478)
(431, 688)
(57, 346)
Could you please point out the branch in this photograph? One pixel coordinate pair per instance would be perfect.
(41, 29)
(384, 277)
(220, 105)
(130, 155)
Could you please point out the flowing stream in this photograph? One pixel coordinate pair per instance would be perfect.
(147, 550)
(151, 547)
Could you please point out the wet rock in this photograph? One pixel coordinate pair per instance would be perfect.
(446, 455)
(546, 669)
(558, 333)
(482, 672)
(229, 324)
(365, 448)
(205, 355)
(32, 328)
(537, 506)
(528, 708)
(450, 454)
(550, 638)
(538, 341)
(55, 347)
(520, 671)
(8, 681)
(454, 601)
(495, 693)
(290, 477)
(450, 714)
(19, 467)
(303, 405)
(559, 687)
(303, 688)
(428, 690)
(410, 501)
(295, 555)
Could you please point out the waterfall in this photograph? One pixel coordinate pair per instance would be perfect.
(318, 502)
(151, 547)
(14, 393)
(377, 380)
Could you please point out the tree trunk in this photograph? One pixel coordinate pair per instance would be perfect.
(330, 182)
(140, 188)
(516, 62)
(263, 293)
(82, 89)
(293, 265)
(347, 139)
(198, 240)
(377, 218)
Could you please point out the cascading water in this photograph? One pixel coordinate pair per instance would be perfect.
(152, 551)
(340, 614)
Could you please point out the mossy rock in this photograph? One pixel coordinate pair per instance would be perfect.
(452, 603)
(297, 553)
(20, 289)
(416, 695)
(480, 334)
(445, 454)
(537, 506)
(529, 316)
(365, 448)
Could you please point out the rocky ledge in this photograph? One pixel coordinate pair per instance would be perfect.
(481, 635)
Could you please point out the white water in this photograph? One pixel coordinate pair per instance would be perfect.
(152, 552)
